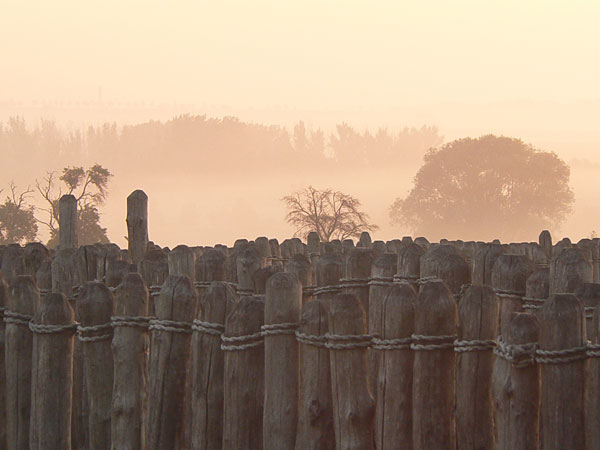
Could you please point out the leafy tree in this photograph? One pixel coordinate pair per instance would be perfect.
(90, 188)
(486, 188)
(17, 221)
(332, 214)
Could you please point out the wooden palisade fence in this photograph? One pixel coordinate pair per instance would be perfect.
(389, 345)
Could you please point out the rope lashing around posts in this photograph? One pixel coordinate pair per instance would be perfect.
(424, 280)
(406, 279)
(564, 356)
(421, 342)
(519, 355)
(172, 326)
(593, 350)
(308, 291)
(533, 303)
(202, 284)
(214, 329)
(52, 329)
(333, 289)
(2, 309)
(154, 290)
(130, 321)
(354, 282)
(589, 312)
(276, 329)
(348, 341)
(82, 332)
(244, 291)
(311, 339)
(461, 346)
(509, 294)
(45, 292)
(391, 344)
(236, 343)
(382, 281)
(16, 318)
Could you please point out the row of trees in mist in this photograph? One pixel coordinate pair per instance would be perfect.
(214, 143)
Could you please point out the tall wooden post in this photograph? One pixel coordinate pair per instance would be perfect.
(137, 225)
(3, 304)
(67, 219)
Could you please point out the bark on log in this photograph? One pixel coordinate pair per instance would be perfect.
(562, 375)
(207, 367)
(129, 347)
(244, 376)
(393, 428)
(67, 219)
(516, 386)
(94, 310)
(22, 297)
(52, 377)
(137, 225)
(353, 406)
(434, 387)
(169, 354)
(478, 328)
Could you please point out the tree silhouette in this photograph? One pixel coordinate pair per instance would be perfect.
(17, 221)
(486, 188)
(90, 187)
(332, 214)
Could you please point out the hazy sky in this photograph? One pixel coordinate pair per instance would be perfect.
(308, 54)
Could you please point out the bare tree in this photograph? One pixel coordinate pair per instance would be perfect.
(332, 214)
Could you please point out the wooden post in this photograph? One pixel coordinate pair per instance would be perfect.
(207, 366)
(596, 259)
(562, 358)
(393, 428)
(478, 327)
(537, 290)
(182, 261)
(516, 385)
(94, 310)
(169, 354)
(22, 298)
(364, 240)
(67, 219)
(589, 296)
(129, 345)
(358, 274)
(210, 266)
(382, 276)
(53, 329)
(592, 406)
(263, 249)
(434, 385)
(137, 225)
(569, 269)
(13, 263)
(483, 263)
(155, 270)
(247, 263)
(3, 305)
(353, 406)
(86, 263)
(244, 375)
(302, 268)
(34, 255)
(115, 272)
(448, 264)
(315, 413)
(408, 267)
(545, 241)
(282, 312)
(509, 277)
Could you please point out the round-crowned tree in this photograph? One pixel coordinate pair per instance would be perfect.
(486, 188)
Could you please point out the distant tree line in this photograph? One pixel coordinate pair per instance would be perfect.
(214, 143)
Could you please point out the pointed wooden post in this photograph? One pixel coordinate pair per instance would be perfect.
(67, 219)
(137, 225)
